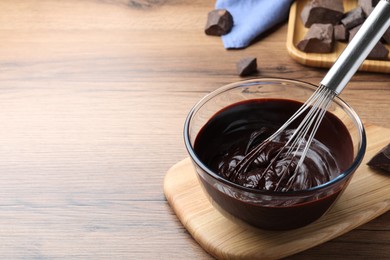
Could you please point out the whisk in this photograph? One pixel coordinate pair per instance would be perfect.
(314, 109)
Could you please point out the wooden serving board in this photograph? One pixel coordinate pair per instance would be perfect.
(296, 32)
(366, 197)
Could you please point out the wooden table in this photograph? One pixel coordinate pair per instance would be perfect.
(93, 99)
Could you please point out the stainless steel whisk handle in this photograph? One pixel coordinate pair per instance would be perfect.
(358, 49)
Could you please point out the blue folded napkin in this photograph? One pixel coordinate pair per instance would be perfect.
(251, 18)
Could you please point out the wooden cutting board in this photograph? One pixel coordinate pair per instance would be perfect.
(296, 32)
(367, 197)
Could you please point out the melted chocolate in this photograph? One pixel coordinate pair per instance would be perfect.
(228, 137)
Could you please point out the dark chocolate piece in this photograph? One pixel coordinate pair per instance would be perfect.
(219, 22)
(319, 39)
(379, 52)
(381, 161)
(340, 33)
(322, 11)
(353, 18)
(247, 66)
(368, 6)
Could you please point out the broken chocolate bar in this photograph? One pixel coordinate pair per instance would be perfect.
(340, 33)
(319, 39)
(219, 22)
(353, 18)
(322, 11)
(247, 66)
(379, 52)
(381, 161)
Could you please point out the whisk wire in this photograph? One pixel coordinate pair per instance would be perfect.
(312, 119)
(313, 124)
(305, 132)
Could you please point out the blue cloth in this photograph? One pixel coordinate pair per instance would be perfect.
(251, 18)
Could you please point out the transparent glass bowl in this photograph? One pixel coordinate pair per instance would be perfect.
(269, 209)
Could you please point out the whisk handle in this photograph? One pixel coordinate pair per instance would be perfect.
(358, 49)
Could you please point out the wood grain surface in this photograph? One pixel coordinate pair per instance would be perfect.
(94, 94)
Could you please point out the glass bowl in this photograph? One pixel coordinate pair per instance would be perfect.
(266, 209)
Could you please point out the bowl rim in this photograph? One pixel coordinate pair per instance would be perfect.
(347, 108)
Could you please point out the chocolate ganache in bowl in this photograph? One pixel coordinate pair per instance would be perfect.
(230, 122)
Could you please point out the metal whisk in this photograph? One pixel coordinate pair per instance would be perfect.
(314, 109)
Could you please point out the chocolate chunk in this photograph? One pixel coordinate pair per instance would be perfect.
(322, 11)
(219, 22)
(246, 66)
(368, 6)
(379, 52)
(353, 18)
(340, 33)
(319, 39)
(381, 160)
